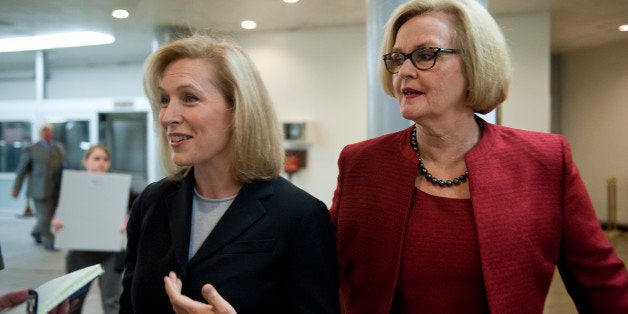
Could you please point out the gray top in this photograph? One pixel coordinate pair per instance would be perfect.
(206, 212)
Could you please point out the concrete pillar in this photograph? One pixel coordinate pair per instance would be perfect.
(383, 111)
(40, 75)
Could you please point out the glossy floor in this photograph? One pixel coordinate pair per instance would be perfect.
(29, 265)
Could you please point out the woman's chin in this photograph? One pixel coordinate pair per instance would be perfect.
(409, 115)
(410, 112)
(181, 162)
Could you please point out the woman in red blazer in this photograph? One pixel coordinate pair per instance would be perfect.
(453, 214)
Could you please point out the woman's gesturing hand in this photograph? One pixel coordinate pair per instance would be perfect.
(183, 304)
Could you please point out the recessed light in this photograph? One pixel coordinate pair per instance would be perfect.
(248, 24)
(120, 14)
(623, 28)
(290, 1)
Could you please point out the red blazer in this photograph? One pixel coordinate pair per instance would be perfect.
(532, 213)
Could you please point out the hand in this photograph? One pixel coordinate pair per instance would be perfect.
(12, 299)
(123, 228)
(15, 193)
(56, 224)
(183, 304)
(63, 307)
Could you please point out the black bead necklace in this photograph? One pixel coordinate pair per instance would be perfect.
(427, 174)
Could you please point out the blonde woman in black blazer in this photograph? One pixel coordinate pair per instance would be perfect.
(224, 232)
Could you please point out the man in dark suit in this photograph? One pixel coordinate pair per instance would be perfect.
(42, 163)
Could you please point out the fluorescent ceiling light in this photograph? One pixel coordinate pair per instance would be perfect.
(52, 41)
(290, 1)
(623, 28)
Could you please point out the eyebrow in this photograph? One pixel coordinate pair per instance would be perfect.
(180, 88)
(394, 49)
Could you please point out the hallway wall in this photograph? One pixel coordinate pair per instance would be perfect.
(594, 115)
(317, 76)
(528, 103)
(119, 81)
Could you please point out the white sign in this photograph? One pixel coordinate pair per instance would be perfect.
(92, 207)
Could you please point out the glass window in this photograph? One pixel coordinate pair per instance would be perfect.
(74, 136)
(125, 136)
(14, 135)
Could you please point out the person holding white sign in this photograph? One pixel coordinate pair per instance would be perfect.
(97, 159)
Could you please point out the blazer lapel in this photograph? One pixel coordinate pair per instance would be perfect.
(245, 210)
(179, 209)
(496, 225)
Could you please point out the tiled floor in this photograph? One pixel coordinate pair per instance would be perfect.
(28, 265)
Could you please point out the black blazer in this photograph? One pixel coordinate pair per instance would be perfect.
(273, 251)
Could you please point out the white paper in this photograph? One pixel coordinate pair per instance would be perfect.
(92, 207)
(57, 290)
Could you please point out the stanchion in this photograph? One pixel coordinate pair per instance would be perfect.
(611, 230)
(27, 211)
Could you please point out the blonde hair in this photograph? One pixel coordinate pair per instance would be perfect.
(258, 145)
(478, 41)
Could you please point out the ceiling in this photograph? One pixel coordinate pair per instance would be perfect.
(576, 24)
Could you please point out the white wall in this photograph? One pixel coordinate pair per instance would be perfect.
(528, 105)
(95, 82)
(594, 118)
(317, 76)
(18, 89)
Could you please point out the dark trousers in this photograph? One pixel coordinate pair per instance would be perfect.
(44, 211)
(110, 282)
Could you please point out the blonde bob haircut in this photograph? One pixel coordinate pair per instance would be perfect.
(478, 41)
(258, 145)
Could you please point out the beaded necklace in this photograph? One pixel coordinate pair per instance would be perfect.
(443, 183)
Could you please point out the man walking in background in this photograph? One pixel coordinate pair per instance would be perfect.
(42, 163)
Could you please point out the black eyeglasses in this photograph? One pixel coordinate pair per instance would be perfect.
(423, 58)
